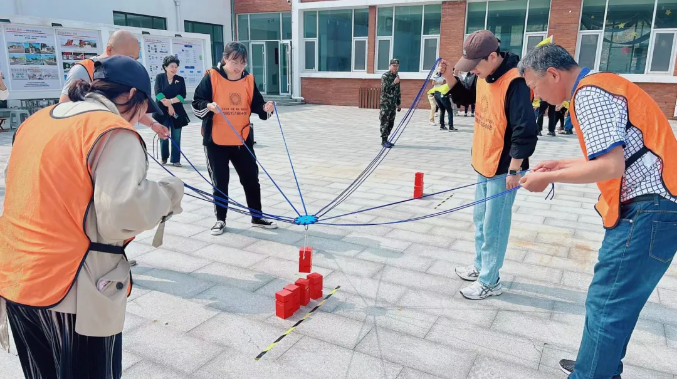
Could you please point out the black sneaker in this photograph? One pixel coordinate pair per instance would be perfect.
(133, 262)
(218, 228)
(551, 133)
(261, 223)
(443, 128)
(452, 128)
(569, 132)
(567, 366)
(540, 133)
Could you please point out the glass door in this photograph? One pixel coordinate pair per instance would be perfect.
(259, 65)
(285, 67)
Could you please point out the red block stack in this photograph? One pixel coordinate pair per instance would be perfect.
(418, 185)
(305, 259)
(315, 285)
(284, 304)
(296, 295)
(304, 286)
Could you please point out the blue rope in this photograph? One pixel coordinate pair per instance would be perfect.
(289, 156)
(257, 160)
(380, 156)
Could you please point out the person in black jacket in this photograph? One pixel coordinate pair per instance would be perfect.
(233, 90)
(504, 138)
(170, 91)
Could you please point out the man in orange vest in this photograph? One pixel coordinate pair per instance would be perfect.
(123, 43)
(630, 151)
(504, 139)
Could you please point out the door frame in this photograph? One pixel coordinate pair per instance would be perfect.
(265, 81)
(288, 54)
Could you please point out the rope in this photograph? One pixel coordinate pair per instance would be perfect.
(289, 156)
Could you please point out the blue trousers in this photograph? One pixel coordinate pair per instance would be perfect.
(633, 258)
(175, 134)
(492, 228)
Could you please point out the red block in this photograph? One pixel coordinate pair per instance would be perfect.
(418, 179)
(316, 285)
(284, 296)
(305, 259)
(283, 310)
(418, 191)
(304, 286)
(296, 295)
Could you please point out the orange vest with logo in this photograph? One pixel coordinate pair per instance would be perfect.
(43, 243)
(88, 64)
(643, 113)
(235, 99)
(490, 123)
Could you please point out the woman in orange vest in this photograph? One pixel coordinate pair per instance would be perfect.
(630, 151)
(77, 193)
(234, 91)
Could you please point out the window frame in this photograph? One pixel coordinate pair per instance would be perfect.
(598, 51)
(314, 40)
(526, 39)
(390, 39)
(652, 40)
(152, 19)
(355, 39)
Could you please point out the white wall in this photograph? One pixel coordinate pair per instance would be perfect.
(101, 11)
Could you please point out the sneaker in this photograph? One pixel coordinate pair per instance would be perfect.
(478, 291)
(466, 115)
(468, 273)
(567, 366)
(443, 128)
(551, 133)
(177, 164)
(540, 133)
(261, 223)
(473, 114)
(569, 132)
(452, 128)
(133, 262)
(164, 162)
(433, 124)
(219, 227)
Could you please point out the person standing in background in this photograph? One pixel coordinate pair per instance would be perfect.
(552, 118)
(391, 98)
(170, 91)
(4, 93)
(561, 116)
(437, 80)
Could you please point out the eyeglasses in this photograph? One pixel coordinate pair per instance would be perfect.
(237, 63)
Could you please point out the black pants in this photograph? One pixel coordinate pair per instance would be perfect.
(49, 347)
(472, 106)
(552, 117)
(560, 117)
(444, 103)
(245, 165)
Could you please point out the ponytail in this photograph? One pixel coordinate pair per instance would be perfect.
(78, 90)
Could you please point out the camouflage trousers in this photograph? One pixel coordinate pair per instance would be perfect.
(387, 118)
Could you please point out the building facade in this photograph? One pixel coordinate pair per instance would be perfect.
(326, 51)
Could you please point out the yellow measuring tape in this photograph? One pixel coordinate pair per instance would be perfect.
(293, 327)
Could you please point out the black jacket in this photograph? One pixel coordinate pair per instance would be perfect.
(164, 90)
(521, 134)
(204, 95)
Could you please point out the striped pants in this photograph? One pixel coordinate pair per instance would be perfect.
(49, 347)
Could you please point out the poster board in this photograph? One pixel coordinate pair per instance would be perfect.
(75, 45)
(191, 55)
(156, 49)
(3, 62)
(32, 58)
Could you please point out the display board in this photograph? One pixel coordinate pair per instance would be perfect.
(32, 58)
(76, 45)
(156, 48)
(3, 62)
(191, 56)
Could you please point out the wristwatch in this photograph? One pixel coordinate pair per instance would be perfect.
(514, 171)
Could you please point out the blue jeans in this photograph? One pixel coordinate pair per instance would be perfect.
(175, 133)
(492, 228)
(633, 258)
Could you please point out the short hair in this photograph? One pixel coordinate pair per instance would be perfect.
(169, 60)
(547, 56)
(236, 50)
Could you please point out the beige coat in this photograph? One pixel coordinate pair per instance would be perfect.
(125, 204)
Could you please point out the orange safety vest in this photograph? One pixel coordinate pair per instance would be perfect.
(643, 113)
(235, 99)
(43, 243)
(88, 64)
(490, 123)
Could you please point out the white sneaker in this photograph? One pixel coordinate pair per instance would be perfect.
(218, 228)
(468, 273)
(433, 124)
(478, 291)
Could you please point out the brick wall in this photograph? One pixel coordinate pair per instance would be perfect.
(261, 6)
(564, 19)
(452, 30)
(664, 94)
(346, 92)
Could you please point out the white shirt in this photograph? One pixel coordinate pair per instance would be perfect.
(603, 118)
(4, 94)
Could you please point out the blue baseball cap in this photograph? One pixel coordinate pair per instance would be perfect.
(126, 71)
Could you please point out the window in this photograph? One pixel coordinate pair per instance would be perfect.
(243, 27)
(518, 26)
(216, 33)
(139, 21)
(628, 37)
(286, 26)
(413, 37)
(264, 26)
(336, 40)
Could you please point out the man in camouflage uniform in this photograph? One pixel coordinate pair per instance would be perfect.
(391, 98)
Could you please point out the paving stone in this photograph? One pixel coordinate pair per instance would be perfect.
(233, 276)
(328, 246)
(347, 265)
(10, 366)
(395, 258)
(415, 353)
(177, 243)
(170, 260)
(229, 255)
(228, 239)
(327, 327)
(239, 302)
(378, 242)
(409, 373)
(149, 369)
(178, 313)
(419, 280)
(169, 348)
(128, 360)
(171, 282)
(284, 269)
(133, 321)
(422, 238)
(489, 368)
(537, 327)
(367, 288)
(445, 305)
(585, 266)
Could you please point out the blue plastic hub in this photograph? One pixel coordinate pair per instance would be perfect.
(305, 220)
